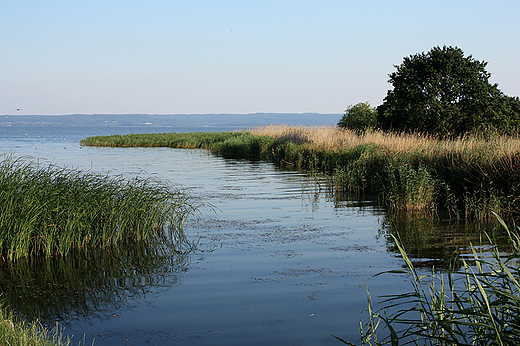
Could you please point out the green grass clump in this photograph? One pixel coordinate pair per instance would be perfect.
(49, 210)
(19, 333)
(477, 305)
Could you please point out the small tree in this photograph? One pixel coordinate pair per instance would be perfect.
(443, 92)
(359, 117)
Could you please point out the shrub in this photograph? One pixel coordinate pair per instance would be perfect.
(359, 118)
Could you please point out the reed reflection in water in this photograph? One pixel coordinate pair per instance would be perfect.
(93, 283)
(432, 242)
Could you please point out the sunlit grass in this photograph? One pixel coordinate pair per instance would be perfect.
(492, 147)
(48, 210)
(19, 333)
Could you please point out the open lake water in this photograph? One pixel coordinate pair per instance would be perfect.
(279, 260)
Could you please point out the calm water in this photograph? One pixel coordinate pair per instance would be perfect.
(280, 261)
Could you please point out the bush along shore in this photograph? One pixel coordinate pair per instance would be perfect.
(467, 177)
(46, 210)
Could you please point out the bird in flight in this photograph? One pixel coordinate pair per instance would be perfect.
(18, 109)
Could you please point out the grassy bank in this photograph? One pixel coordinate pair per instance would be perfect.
(468, 177)
(47, 210)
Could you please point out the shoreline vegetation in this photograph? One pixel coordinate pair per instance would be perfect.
(47, 211)
(466, 177)
(477, 305)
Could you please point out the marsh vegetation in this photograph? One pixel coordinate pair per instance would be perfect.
(48, 210)
(465, 177)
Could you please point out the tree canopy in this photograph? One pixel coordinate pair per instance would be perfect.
(443, 92)
(360, 117)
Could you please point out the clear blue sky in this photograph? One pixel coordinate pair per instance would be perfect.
(194, 56)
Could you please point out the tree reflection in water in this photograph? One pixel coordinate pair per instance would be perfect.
(430, 241)
(91, 283)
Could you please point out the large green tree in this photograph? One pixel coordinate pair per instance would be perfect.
(443, 92)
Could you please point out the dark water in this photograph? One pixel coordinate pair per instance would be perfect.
(279, 260)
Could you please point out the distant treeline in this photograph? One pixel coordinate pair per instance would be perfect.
(172, 120)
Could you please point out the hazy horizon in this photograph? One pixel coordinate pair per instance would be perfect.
(186, 120)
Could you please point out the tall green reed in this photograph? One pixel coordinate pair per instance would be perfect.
(405, 187)
(477, 305)
(45, 209)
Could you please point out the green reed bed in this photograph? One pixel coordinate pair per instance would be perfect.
(464, 186)
(477, 305)
(45, 209)
(468, 177)
(233, 144)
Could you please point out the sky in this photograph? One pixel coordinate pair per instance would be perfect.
(197, 57)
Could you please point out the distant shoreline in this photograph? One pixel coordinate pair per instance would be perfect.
(172, 120)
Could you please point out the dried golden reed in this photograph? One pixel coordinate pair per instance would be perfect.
(334, 138)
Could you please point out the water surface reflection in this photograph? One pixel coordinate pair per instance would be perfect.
(431, 242)
(91, 284)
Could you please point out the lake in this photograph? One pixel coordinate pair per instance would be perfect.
(275, 258)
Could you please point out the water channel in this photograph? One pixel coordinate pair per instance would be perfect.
(278, 258)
